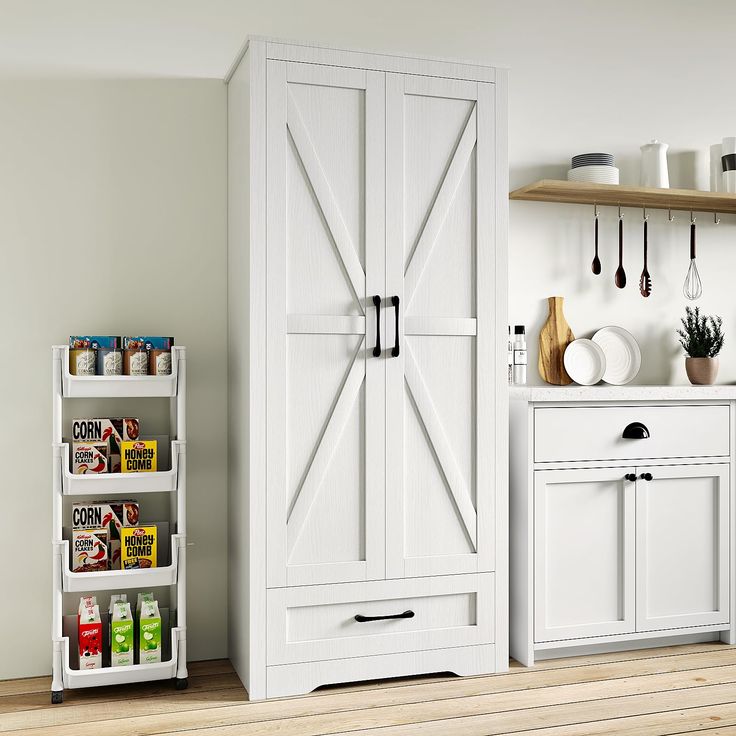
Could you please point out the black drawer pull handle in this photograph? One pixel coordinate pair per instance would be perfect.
(377, 305)
(635, 431)
(395, 349)
(646, 476)
(631, 477)
(362, 619)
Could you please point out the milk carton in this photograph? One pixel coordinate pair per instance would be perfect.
(121, 635)
(114, 598)
(149, 633)
(90, 637)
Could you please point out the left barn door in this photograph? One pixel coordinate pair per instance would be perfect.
(325, 262)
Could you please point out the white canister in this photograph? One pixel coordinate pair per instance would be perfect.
(654, 165)
(716, 168)
(729, 182)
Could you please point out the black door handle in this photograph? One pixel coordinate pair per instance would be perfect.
(646, 476)
(630, 477)
(395, 348)
(635, 431)
(362, 619)
(377, 305)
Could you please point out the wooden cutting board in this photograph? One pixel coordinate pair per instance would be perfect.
(555, 336)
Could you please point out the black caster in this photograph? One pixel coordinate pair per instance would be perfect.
(57, 696)
(181, 683)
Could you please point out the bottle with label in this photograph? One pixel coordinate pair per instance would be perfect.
(520, 358)
(510, 356)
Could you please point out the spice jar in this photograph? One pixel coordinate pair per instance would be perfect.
(82, 361)
(109, 362)
(159, 362)
(135, 361)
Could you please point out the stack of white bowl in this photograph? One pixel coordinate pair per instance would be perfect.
(597, 168)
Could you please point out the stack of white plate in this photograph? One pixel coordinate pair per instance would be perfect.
(597, 168)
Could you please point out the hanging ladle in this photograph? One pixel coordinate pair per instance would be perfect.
(596, 265)
(620, 277)
(693, 286)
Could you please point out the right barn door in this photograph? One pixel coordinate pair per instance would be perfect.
(440, 366)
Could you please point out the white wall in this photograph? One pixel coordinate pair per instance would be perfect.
(112, 221)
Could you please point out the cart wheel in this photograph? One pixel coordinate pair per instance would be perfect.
(57, 696)
(182, 683)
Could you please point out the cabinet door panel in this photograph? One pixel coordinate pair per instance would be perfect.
(440, 387)
(326, 258)
(682, 546)
(584, 528)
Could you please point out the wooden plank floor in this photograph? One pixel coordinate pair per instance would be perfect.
(675, 690)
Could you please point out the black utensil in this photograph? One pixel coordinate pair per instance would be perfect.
(596, 265)
(645, 282)
(620, 277)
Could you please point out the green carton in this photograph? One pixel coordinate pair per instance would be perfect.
(149, 634)
(121, 635)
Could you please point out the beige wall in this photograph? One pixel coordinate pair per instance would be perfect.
(112, 221)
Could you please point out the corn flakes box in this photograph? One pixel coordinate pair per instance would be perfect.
(138, 547)
(89, 550)
(89, 457)
(112, 515)
(139, 457)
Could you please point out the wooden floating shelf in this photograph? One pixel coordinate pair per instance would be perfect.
(573, 192)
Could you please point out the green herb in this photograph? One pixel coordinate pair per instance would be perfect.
(702, 337)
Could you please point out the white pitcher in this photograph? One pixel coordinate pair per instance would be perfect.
(654, 165)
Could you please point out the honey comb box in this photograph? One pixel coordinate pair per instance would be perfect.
(138, 547)
(140, 456)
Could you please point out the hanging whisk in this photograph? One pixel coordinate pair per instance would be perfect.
(693, 286)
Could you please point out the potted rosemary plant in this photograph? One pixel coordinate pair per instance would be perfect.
(702, 338)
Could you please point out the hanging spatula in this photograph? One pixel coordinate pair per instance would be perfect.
(645, 282)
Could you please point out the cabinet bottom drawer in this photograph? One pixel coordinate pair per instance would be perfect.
(322, 622)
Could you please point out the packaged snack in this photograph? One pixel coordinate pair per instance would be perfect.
(121, 635)
(149, 633)
(148, 342)
(111, 515)
(135, 362)
(139, 457)
(89, 550)
(94, 341)
(90, 638)
(159, 362)
(138, 547)
(89, 457)
(82, 361)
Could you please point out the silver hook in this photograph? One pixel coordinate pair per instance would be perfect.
(692, 218)
(716, 219)
(670, 216)
(644, 213)
(595, 211)
(620, 215)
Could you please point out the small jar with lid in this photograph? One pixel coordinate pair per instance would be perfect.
(135, 361)
(159, 362)
(109, 362)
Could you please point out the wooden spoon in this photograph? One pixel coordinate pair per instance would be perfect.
(620, 277)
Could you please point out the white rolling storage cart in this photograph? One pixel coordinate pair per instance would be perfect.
(132, 485)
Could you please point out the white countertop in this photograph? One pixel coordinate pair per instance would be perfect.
(604, 392)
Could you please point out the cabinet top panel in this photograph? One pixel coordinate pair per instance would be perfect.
(566, 394)
(380, 61)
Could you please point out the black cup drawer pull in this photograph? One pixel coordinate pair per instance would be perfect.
(362, 619)
(635, 431)
(395, 348)
(377, 305)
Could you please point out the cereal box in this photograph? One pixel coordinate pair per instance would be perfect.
(89, 457)
(90, 638)
(149, 633)
(89, 550)
(140, 456)
(148, 342)
(94, 341)
(138, 547)
(105, 514)
(114, 429)
(121, 635)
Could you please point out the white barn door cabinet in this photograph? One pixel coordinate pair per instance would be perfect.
(367, 309)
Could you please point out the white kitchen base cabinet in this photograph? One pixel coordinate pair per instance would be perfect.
(619, 541)
(367, 302)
